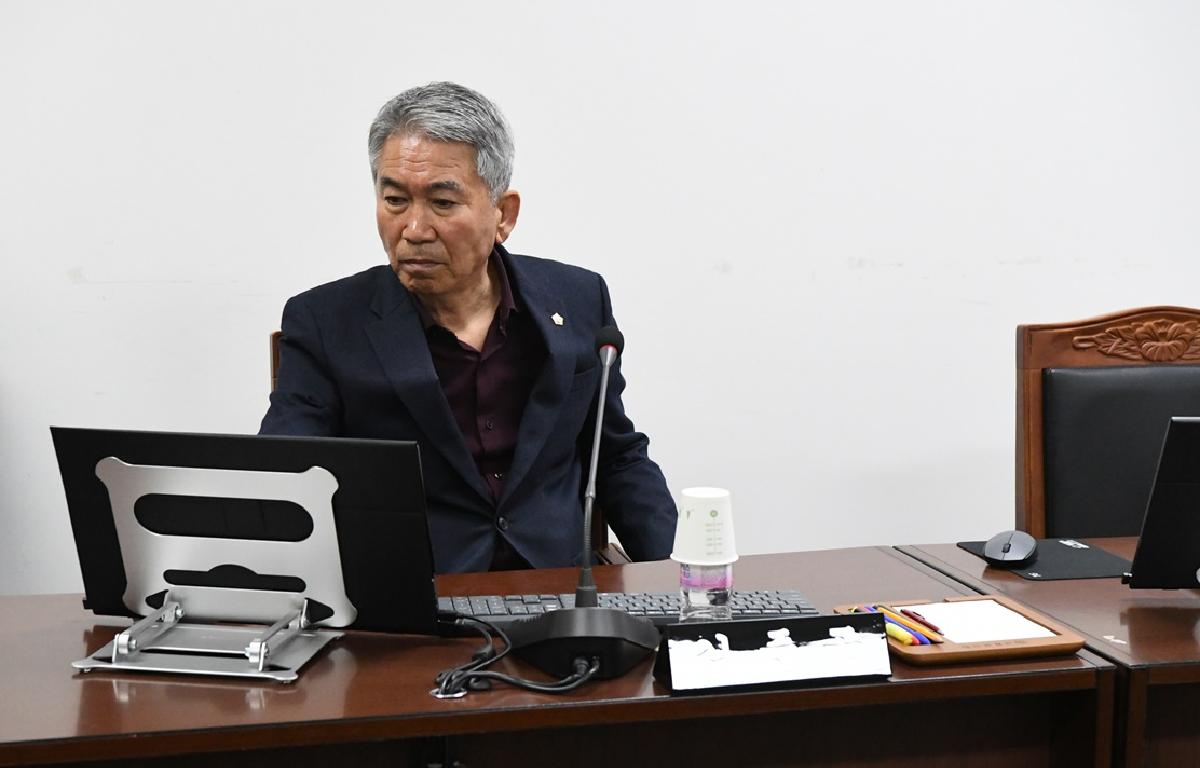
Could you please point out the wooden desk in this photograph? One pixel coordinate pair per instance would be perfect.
(1151, 634)
(366, 700)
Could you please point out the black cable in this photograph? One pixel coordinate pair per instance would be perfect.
(453, 682)
(584, 671)
(458, 680)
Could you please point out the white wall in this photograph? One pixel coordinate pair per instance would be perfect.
(797, 206)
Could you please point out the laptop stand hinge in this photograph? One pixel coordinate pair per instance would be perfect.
(164, 642)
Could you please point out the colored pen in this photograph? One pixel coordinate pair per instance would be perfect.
(909, 624)
(920, 638)
(893, 628)
(899, 635)
(920, 619)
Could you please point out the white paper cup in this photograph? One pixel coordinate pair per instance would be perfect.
(704, 533)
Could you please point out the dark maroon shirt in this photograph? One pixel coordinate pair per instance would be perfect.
(487, 389)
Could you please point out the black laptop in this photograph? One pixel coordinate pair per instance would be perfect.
(378, 509)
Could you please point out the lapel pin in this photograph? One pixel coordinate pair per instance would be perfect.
(557, 318)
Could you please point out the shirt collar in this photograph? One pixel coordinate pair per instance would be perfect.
(508, 302)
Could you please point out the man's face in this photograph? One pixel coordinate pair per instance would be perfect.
(435, 215)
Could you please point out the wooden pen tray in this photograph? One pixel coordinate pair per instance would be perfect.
(1062, 640)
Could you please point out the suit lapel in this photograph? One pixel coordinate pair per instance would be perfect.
(550, 388)
(399, 341)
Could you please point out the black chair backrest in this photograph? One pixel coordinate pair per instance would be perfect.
(1103, 431)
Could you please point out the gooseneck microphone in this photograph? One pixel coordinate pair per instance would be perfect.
(609, 344)
(614, 641)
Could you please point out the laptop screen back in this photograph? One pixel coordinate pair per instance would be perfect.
(1168, 552)
(378, 509)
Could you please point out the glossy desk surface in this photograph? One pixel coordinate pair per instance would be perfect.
(373, 686)
(1133, 627)
(1153, 635)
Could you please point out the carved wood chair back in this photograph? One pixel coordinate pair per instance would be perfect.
(606, 552)
(1140, 361)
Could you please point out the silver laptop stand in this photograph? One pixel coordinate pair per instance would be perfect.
(163, 642)
(191, 631)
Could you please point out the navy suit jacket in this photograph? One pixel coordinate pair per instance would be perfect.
(353, 362)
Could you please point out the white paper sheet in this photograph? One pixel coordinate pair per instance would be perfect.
(973, 621)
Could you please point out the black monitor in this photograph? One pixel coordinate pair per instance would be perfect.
(1168, 551)
(374, 488)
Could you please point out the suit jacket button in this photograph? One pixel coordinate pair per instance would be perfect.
(502, 523)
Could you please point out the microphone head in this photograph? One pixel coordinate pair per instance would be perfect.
(609, 336)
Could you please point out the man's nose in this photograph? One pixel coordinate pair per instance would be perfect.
(418, 228)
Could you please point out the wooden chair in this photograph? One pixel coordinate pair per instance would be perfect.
(606, 552)
(1093, 401)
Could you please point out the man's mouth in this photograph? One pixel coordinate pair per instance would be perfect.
(419, 263)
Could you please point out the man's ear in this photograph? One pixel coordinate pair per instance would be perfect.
(507, 210)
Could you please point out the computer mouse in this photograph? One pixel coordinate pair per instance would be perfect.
(1010, 549)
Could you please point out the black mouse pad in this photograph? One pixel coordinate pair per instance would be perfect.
(1063, 559)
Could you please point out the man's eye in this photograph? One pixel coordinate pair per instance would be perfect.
(393, 200)
(444, 204)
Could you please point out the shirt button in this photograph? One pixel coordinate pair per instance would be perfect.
(502, 523)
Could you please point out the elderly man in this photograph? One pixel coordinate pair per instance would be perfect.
(483, 357)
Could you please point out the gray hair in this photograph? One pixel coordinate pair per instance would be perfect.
(449, 112)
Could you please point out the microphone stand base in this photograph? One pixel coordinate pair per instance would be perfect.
(553, 641)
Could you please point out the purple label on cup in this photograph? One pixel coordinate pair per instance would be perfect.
(706, 576)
